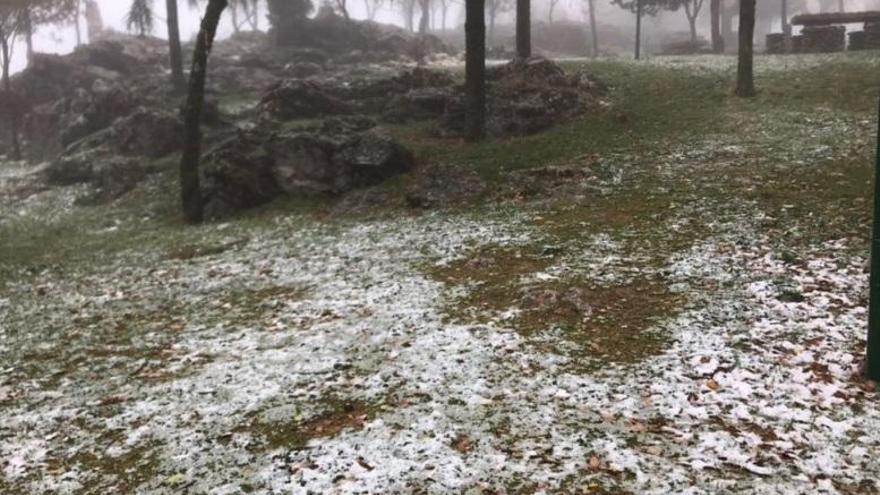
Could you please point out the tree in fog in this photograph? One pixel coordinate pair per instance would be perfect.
(641, 8)
(715, 18)
(745, 81)
(523, 29)
(692, 10)
(551, 8)
(495, 8)
(9, 27)
(408, 11)
(590, 6)
(140, 17)
(371, 7)
(190, 192)
(475, 69)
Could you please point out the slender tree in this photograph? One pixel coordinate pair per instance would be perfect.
(551, 8)
(140, 17)
(523, 29)
(638, 53)
(872, 357)
(425, 18)
(692, 11)
(175, 53)
(190, 191)
(76, 28)
(594, 32)
(9, 26)
(715, 15)
(475, 70)
(745, 80)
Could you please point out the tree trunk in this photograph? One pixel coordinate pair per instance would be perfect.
(591, 4)
(425, 20)
(475, 70)
(410, 15)
(76, 23)
(233, 14)
(174, 51)
(638, 29)
(523, 29)
(872, 355)
(28, 28)
(717, 37)
(491, 35)
(5, 59)
(191, 195)
(692, 21)
(840, 6)
(745, 81)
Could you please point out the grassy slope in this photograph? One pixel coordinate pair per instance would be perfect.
(743, 150)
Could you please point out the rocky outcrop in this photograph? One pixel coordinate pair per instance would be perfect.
(351, 41)
(117, 158)
(526, 97)
(249, 169)
(296, 99)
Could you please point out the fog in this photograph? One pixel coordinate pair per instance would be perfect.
(61, 38)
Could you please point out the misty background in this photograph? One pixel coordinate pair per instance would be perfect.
(61, 38)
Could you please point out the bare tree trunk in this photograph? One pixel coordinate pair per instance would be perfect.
(5, 58)
(410, 14)
(424, 21)
(717, 37)
(28, 28)
(591, 4)
(840, 6)
(692, 21)
(76, 23)
(191, 194)
(745, 81)
(638, 29)
(174, 50)
(491, 35)
(475, 70)
(233, 14)
(523, 29)
(253, 14)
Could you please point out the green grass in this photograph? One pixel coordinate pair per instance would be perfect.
(654, 106)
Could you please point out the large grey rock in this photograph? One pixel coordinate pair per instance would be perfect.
(297, 99)
(249, 169)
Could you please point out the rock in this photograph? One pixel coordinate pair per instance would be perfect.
(370, 158)
(115, 159)
(302, 70)
(418, 104)
(109, 55)
(303, 165)
(526, 97)
(296, 99)
(346, 125)
(249, 170)
(143, 133)
(237, 175)
(351, 41)
(111, 175)
(90, 111)
(443, 186)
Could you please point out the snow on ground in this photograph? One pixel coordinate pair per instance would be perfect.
(312, 357)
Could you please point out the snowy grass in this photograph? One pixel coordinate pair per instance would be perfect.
(285, 353)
